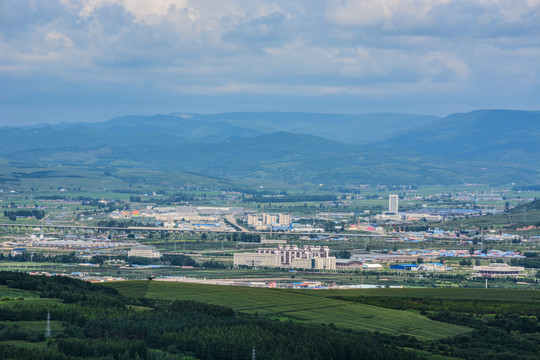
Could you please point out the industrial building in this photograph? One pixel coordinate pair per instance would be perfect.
(407, 267)
(287, 256)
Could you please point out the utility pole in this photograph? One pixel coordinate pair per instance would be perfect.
(482, 240)
(48, 328)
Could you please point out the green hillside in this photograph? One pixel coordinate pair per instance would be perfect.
(490, 135)
(491, 147)
(90, 321)
(297, 306)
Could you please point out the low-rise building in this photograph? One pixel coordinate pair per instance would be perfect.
(144, 251)
(256, 260)
(348, 264)
(498, 270)
(433, 267)
(407, 267)
(372, 266)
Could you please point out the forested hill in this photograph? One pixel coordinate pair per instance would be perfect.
(92, 321)
(488, 146)
(491, 135)
(95, 322)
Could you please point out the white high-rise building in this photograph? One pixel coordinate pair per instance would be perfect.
(269, 219)
(284, 219)
(393, 204)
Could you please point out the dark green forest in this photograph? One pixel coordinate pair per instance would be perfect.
(98, 323)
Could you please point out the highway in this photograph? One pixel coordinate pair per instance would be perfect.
(170, 230)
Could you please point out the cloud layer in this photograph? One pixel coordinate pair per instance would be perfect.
(91, 59)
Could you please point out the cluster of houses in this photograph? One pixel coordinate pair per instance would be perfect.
(187, 218)
(68, 242)
(421, 267)
(459, 253)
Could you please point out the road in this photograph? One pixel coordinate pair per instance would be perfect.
(232, 220)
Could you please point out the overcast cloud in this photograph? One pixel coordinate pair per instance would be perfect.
(89, 60)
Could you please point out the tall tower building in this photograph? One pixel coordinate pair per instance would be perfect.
(393, 206)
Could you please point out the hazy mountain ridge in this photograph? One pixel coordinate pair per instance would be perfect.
(352, 129)
(488, 135)
(481, 146)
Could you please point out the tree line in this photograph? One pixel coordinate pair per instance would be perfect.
(12, 215)
(99, 323)
(290, 198)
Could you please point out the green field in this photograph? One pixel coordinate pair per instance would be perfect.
(36, 326)
(286, 304)
(7, 293)
(441, 293)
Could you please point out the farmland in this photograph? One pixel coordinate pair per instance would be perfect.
(92, 321)
(298, 306)
(499, 323)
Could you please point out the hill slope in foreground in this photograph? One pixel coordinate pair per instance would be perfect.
(297, 306)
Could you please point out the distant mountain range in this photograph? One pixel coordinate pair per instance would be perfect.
(488, 146)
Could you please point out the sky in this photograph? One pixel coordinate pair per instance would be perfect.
(91, 60)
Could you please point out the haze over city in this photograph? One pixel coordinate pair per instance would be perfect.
(77, 60)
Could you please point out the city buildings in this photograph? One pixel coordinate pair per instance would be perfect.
(187, 218)
(287, 256)
(266, 221)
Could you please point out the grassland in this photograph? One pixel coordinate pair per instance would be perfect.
(286, 304)
(11, 293)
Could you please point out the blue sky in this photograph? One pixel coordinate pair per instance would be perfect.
(90, 60)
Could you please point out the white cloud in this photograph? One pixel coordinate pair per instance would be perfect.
(58, 37)
(437, 62)
(306, 48)
(374, 12)
(435, 17)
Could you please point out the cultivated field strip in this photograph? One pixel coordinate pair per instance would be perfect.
(297, 306)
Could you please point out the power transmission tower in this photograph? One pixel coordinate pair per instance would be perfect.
(48, 328)
(253, 353)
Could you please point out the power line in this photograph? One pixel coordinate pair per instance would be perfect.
(48, 328)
